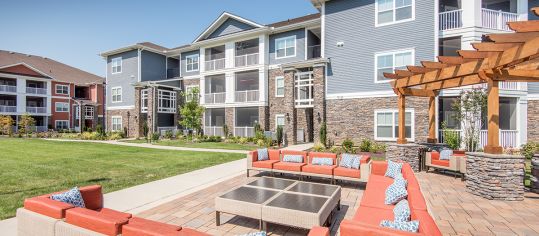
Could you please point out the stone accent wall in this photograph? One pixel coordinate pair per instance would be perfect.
(319, 109)
(128, 120)
(305, 122)
(290, 127)
(276, 104)
(140, 118)
(189, 82)
(533, 120)
(229, 119)
(404, 152)
(152, 106)
(263, 120)
(495, 176)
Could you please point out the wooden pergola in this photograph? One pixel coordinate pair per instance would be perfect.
(510, 57)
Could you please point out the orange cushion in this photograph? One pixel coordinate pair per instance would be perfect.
(318, 169)
(353, 228)
(347, 172)
(378, 167)
(313, 155)
(274, 154)
(47, 206)
(267, 164)
(319, 231)
(374, 196)
(380, 179)
(373, 216)
(95, 221)
(416, 200)
(434, 155)
(427, 226)
(93, 196)
(440, 162)
(114, 213)
(191, 232)
(143, 227)
(409, 175)
(288, 166)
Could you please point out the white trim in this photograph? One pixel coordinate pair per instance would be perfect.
(393, 53)
(284, 39)
(276, 78)
(394, 111)
(64, 85)
(115, 60)
(533, 96)
(277, 116)
(221, 19)
(56, 124)
(56, 106)
(376, 24)
(120, 108)
(323, 31)
(29, 66)
(112, 94)
(198, 62)
(373, 94)
(112, 123)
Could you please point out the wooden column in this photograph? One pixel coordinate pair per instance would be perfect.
(402, 122)
(432, 120)
(493, 139)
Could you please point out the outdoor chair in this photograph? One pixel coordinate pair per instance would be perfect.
(290, 167)
(267, 165)
(351, 174)
(432, 160)
(320, 170)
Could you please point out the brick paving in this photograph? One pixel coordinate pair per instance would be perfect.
(456, 211)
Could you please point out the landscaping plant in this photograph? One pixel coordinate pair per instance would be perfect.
(192, 112)
(6, 122)
(145, 130)
(319, 147)
(323, 134)
(169, 134)
(26, 122)
(155, 137)
(469, 107)
(366, 145)
(348, 146)
(279, 135)
(225, 131)
(451, 137)
(529, 149)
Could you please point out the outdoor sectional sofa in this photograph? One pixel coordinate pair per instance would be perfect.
(46, 217)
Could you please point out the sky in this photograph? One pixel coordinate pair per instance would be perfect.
(74, 32)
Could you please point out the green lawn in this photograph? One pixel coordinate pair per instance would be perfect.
(209, 145)
(32, 167)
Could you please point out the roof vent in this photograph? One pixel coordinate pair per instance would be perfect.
(28, 55)
(11, 52)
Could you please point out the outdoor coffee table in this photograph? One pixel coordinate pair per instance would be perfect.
(281, 201)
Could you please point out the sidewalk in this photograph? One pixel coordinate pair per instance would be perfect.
(299, 147)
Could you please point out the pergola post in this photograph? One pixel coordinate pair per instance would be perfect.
(493, 110)
(402, 122)
(432, 120)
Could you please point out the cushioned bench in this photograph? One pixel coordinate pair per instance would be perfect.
(432, 160)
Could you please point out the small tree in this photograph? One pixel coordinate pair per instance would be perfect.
(145, 130)
(225, 131)
(26, 122)
(6, 122)
(323, 134)
(191, 112)
(279, 135)
(451, 137)
(469, 107)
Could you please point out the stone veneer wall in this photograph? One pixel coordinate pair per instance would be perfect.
(319, 109)
(276, 104)
(495, 176)
(533, 120)
(128, 121)
(404, 152)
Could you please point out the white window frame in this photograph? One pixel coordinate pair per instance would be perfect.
(63, 86)
(144, 101)
(112, 124)
(115, 95)
(393, 53)
(277, 119)
(277, 78)
(376, 24)
(116, 62)
(192, 57)
(61, 105)
(277, 40)
(89, 112)
(163, 96)
(395, 135)
(188, 92)
(57, 121)
(308, 102)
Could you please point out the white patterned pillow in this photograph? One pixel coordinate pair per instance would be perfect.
(72, 197)
(445, 154)
(402, 211)
(399, 179)
(350, 161)
(393, 168)
(263, 154)
(395, 193)
(293, 158)
(410, 226)
(322, 161)
(261, 233)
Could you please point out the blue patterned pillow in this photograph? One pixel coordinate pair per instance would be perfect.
(293, 158)
(72, 197)
(350, 161)
(445, 154)
(261, 233)
(322, 161)
(393, 168)
(402, 211)
(410, 226)
(395, 193)
(263, 154)
(399, 179)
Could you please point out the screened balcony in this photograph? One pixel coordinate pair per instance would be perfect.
(215, 89)
(246, 118)
(36, 105)
(215, 58)
(494, 14)
(247, 86)
(8, 103)
(36, 87)
(214, 120)
(8, 85)
(247, 53)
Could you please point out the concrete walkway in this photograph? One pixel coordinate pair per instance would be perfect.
(299, 147)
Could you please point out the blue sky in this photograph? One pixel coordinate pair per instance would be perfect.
(75, 31)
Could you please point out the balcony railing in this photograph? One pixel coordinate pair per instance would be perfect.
(37, 110)
(8, 88)
(506, 86)
(173, 73)
(451, 19)
(246, 96)
(163, 130)
(36, 90)
(313, 51)
(508, 138)
(39, 129)
(213, 98)
(304, 103)
(214, 131)
(216, 64)
(8, 109)
(493, 19)
(246, 60)
(244, 131)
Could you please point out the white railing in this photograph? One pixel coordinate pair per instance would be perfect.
(8, 88)
(214, 131)
(36, 109)
(163, 130)
(508, 138)
(246, 96)
(213, 98)
(246, 60)
(493, 19)
(36, 90)
(216, 64)
(509, 85)
(304, 102)
(8, 109)
(39, 128)
(451, 19)
(244, 131)
(441, 135)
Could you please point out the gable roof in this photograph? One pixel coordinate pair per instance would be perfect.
(295, 20)
(48, 67)
(142, 45)
(220, 20)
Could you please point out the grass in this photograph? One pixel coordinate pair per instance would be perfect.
(31, 167)
(209, 145)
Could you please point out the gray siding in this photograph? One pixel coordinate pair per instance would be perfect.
(230, 26)
(125, 79)
(353, 22)
(183, 73)
(153, 66)
(300, 46)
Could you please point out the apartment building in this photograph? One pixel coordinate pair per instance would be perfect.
(324, 67)
(56, 95)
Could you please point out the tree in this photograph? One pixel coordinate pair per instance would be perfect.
(279, 135)
(6, 122)
(192, 111)
(26, 123)
(323, 134)
(469, 107)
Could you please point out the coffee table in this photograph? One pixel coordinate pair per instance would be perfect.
(281, 201)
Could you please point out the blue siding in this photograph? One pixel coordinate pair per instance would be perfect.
(125, 79)
(183, 66)
(153, 66)
(353, 22)
(300, 46)
(230, 26)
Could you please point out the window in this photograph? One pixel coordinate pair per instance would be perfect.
(62, 89)
(144, 101)
(191, 63)
(116, 64)
(303, 95)
(279, 86)
(285, 47)
(89, 112)
(279, 120)
(116, 123)
(166, 101)
(117, 94)
(61, 124)
(394, 11)
(61, 107)
(390, 61)
(189, 92)
(387, 125)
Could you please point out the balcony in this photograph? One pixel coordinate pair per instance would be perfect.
(214, 131)
(508, 138)
(244, 131)
(214, 98)
(216, 64)
(490, 19)
(173, 73)
(313, 51)
(451, 19)
(36, 110)
(31, 90)
(8, 88)
(246, 60)
(246, 96)
(8, 108)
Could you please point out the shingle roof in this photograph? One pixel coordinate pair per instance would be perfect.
(56, 70)
(154, 46)
(295, 20)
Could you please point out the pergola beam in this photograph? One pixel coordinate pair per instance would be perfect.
(454, 60)
(433, 64)
(419, 69)
(454, 82)
(416, 92)
(472, 54)
(512, 38)
(524, 26)
(514, 74)
(494, 47)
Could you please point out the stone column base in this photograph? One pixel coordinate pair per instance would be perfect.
(404, 152)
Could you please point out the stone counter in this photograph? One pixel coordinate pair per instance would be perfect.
(495, 176)
(404, 152)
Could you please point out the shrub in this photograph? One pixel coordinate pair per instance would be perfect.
(99, 129)
(366, 145)
(250, 140)
(243, 140)
(348, 146)
(279, 135)
(215, 139)
(319, 147)
(230, 140)
(529, 149)
(225, 130)
(6, 124)
(90, 136)
(169, 134)
(323, 134)
(145, 130)
(261, 143)
(335, 150)
(155, 136)
(115, 136)
(378, 147)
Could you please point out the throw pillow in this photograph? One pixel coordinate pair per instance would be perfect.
(410, 226)
(322, 161)
(263, 154)
(446, 154)
(393, 168)
(395, 193)
(350, 161)
(73, 197)
(293, 158)
(261, 233)
(402, 211)
(399, 179)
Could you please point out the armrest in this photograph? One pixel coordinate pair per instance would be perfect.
(319, 231)
(93, 196)
(454, 162)
(428, 158)
(47, 206)
(252, 156)
(378, 167)
(352, 228)
(92, 220)
(365, 159)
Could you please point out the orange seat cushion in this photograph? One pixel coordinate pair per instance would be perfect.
(95, 221)
(427, 225)
(288, 166)
(416, 200)
(143, 227)
(267, 164)
(47, 206)
(318, 169)
(114, 213)
(440, 162)
(374, 197)
(319, 231)
(379, 179)
(347, 172)
(373, 216)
